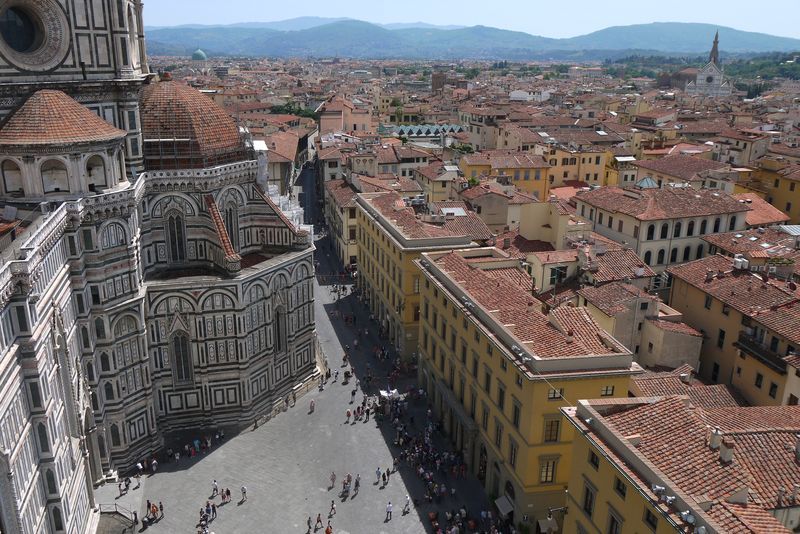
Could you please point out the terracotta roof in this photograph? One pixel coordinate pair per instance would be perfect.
(344, 194)
(515, 308)
(520, 247)
(617, 264)
(183, 128)
(761, 213)
(52, 118)
(219, 226)
(771, 303)
(615, 297)
(680, 166)
(758, 242)
(701, 394)
(659, 204)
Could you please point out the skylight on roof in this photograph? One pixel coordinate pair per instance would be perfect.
(765, 245)
(601, 132)
(754, 238)
(738, 235)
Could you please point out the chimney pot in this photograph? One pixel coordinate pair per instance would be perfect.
(715, 439)
(686, 378)
(726, 450)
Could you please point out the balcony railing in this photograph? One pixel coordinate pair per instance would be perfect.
(756, 349)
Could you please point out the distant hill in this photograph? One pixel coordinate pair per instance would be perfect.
(317, 37)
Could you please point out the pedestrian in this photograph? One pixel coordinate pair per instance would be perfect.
(352, 396)
(389, 511)
(120, 488)
(147, 509)
(213, 511)
(332, 511)
(244, 493)
(228, 494)
(294, 398)
(139, 467)
(329, 528)
(357, 483)
(154, 511)
(154, 465)
(348, 416)
(383, 478)
(388, 472)
(161, 508)
(407, 507)
(309, 523)
(214, 488)
(318, 523)
(378, 474)
(333, 479)
(311, 406)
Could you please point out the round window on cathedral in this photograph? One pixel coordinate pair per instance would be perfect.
(21, 29)
(710, 79)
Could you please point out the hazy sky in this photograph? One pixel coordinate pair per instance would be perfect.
(551, 18)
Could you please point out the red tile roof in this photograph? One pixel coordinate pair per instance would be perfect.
(183, 128)
(51, 118)
(222, 232)
(515, 308)
(659, 204)
(680, 166)
(761, 213)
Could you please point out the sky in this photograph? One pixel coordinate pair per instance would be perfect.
(550, 18)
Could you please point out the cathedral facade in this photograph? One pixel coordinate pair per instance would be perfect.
(148, 281)
(710, 79)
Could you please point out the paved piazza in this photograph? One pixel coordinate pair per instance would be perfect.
(286, 463)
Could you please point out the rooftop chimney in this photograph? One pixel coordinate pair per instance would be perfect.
(686, 378)
(797, 447)
(726, 450)
(570, 336)
(715, 439)
(709, 275)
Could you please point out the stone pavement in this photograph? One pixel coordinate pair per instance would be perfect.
(286, 463)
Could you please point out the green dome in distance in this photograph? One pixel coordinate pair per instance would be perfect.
(199, 55)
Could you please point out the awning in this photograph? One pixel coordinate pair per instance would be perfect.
(504, 506)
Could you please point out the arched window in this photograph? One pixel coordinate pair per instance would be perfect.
(661, 255)
(104, 364)
(44, 442)
(509, 488)
(703, 227)
(54, 177)
(108, 389)
(664, 230)
(279, 330)
(96, 173)
(673, 256)
(232, 224)
(115, 441)
(101, 445)
(181, 358)
(89, 371)
(648, 258)
(651, 232)
(51, 481)
(687, 252)
(99, 328)
(58, 524)
(95, 404)
(732, 223)
(690, 229)
(12, 178)
(87, 344)
(176, 238)
(676, 231)
(699, 251)
(716, 225)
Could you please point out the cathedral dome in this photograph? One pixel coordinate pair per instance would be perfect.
(51, 118)
(199, 55)
(184, 129)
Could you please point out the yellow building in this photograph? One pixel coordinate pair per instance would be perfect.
(779, 184)
(439, 182)
(750, 321)
(390, 237)
(340, 216)
(586, 164)
(497, 370)
(662, 465)
(527, 172)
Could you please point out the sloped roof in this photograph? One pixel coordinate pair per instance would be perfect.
(181, 124)
(52, 118)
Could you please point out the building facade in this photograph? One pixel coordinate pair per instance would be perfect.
(150, 284)
(497, 371)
